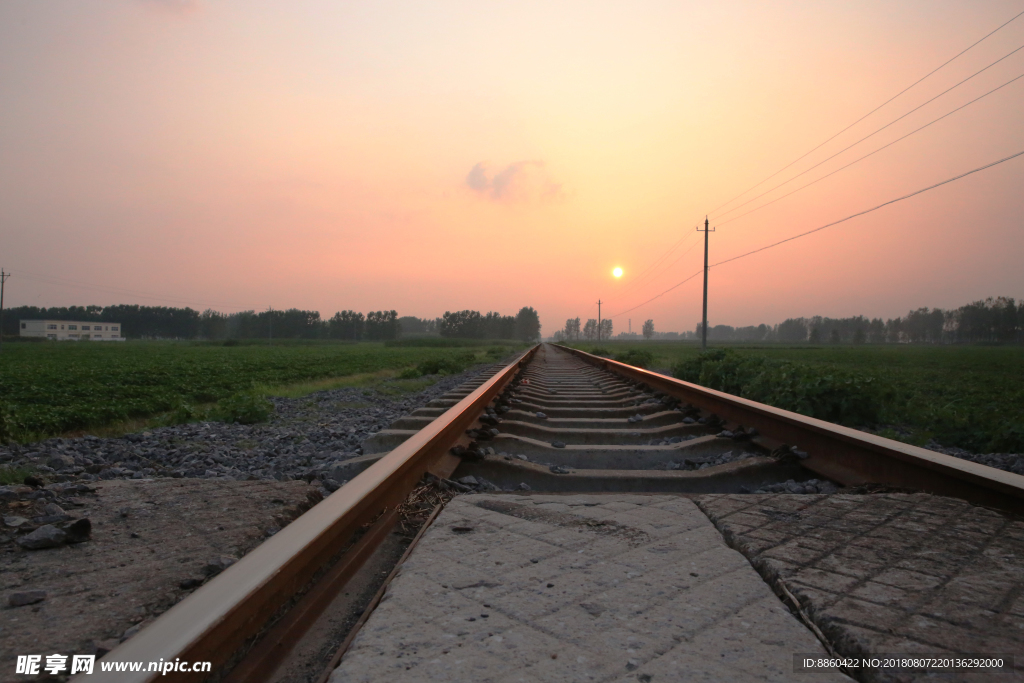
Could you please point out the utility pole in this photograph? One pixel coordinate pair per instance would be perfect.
(704, 325)
(598, 320)
(3, 279)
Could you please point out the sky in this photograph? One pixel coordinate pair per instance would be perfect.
(433, 156)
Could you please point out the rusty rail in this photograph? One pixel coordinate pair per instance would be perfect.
(212, 623)
(845, 455)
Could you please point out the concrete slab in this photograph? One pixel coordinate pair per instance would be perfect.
(890, 573)
(581, 587)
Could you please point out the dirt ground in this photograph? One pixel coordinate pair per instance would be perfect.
(152, 543)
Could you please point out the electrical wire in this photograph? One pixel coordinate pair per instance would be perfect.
(654, 275)
(930, 73)
(861, 213)
(807, 170)
(827, 225)
(640, 278)
(678, 284)
(657, 261)
(677, 260)
(772, 201)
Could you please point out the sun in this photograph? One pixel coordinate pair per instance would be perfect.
(617, 272)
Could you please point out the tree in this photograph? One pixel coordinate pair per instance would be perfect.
(527, 324)
(497, 326)
(572, 329)
(648, 329)
(606, 329)
(876, 331)
(815, 337)
(382, 325)
(346, 325)
(462, 324)
(792, 330)
(894, 330)
(213, 325)
(590, 330)
(410, 324)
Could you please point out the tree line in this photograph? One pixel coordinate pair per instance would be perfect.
(164, 322)
(992, 320)
(573, 331)
(467, 324)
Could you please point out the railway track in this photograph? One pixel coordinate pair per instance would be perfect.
(555, 422)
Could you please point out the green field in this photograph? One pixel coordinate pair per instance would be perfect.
(54, 388)
(966, 396)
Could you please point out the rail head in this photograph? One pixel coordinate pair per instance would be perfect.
(846, 455)
(211, 623)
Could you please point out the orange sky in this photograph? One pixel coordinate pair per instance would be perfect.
(439, 156)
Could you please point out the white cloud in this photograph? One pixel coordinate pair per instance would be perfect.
(521, 181)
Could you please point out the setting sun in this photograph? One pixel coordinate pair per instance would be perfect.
(617, 272)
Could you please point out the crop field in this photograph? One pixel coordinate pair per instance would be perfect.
(53, 388)
(966, 396)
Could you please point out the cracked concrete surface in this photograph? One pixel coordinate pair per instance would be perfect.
(891, 573)
(584, 587)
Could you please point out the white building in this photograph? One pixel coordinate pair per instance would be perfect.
(71, 330)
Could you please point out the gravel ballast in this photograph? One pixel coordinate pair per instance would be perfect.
(305, 438)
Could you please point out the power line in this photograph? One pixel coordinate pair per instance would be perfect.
(973, 45)
(659, 295)
(861, 213)
(666, 267)
(909, 87)
(829, 225)
(772, 201)
(807, 170)
(639, 278)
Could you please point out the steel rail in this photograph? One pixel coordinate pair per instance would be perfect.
(217, 619)
(842, 454)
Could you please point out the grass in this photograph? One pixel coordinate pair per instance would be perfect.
(399, 387)
(967, 396)
(108, 389)
(13, 475)
(454, 343)
(300, 389)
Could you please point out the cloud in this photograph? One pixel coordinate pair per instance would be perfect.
(477, 178)
(522, 181)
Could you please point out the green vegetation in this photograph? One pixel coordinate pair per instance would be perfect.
(640, 358)
(442, 366)
(966, 396)
(400, 386)
(448, 343)
(48, 389)
(822, 392)
(244, 407)
(13, 475)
